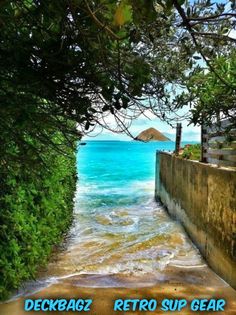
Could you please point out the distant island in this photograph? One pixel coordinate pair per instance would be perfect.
(151, 134)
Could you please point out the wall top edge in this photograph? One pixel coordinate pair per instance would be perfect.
(207, 165)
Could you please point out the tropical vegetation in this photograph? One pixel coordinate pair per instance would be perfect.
(68, 66)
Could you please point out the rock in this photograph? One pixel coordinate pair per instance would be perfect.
(151, 134)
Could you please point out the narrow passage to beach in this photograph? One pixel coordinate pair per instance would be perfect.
(122, 242)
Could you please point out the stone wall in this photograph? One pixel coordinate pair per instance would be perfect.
(203, 198)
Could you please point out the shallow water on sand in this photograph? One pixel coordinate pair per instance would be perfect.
(122, 238)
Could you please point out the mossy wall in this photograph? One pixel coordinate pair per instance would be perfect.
(203, 198)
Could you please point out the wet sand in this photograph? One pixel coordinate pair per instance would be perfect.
(103, 298)
(152, 259)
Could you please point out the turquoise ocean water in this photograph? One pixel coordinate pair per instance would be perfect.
(121, 236)
(117, 172)
(119, 228)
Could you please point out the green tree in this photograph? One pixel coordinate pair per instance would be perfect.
(80, 60)
(212, 98)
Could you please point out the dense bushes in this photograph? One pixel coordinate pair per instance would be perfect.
(192, 152)
(37, 153)
(36, 209)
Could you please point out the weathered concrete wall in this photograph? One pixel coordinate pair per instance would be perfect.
(203, 198)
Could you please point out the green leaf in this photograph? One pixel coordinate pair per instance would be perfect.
(169, 5)
(123, 14)
(197, 57)
(181, 2)
(188, 11)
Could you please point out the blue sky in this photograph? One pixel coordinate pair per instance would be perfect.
(190, 133)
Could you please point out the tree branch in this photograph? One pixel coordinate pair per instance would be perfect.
(212, 17)
(224, 37)
(192, 33)
(103, 26)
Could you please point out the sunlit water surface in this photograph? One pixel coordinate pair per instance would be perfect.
(121, 237)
